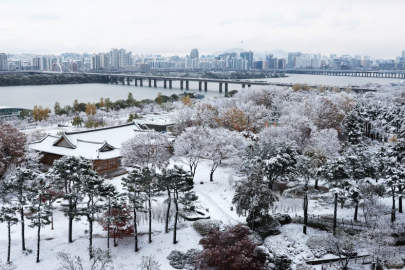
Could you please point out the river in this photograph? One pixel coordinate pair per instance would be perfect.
(47, 95)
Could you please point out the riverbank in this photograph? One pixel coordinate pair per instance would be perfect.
(48, 79)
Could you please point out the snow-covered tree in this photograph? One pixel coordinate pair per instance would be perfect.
(117, 220)
(8, 216)
(16, 187)
(145, 182)
(13, 144)
(324, 142)
(41, 212)
(232, 248)
(189, 147)
(180, 184)
(149, 263)
(221, 144)
(150, 149)
(393, 174)
(252, 195)
(133, 184)
(278, 158)
(94, 192)
(68, 175)
(352, 124)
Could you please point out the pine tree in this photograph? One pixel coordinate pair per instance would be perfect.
(41, 212)
(8, 216)
(94, 192)
(133, 184)
(352, 124)
(252, 195)
(16, 187)
(393, 173)
(278, 158)
(130, 100)
(398, 150)
(179, 183)
(68, 174)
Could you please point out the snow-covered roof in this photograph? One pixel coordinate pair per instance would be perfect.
(103, 143)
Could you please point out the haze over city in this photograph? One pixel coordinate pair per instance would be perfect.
(173, 27)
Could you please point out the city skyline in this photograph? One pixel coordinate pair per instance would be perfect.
(173, 27)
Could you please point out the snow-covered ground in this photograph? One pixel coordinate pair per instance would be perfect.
(215, 196)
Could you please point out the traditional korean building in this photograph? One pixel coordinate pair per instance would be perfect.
(102, 146)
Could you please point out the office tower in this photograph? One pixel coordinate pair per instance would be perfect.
(123, 58)
(249, 57)
(273, 63)
(35, 62)
(291, 59)
(3, 61)
(194, 54)
(115, 58)
(282, 63)
(95, 62)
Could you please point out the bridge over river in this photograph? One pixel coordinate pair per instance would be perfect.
(184, 82)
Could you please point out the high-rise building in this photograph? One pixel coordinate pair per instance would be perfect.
(282, 63)
(3, 61)
(273, 63)
(291, 59)
(95, 62)
(123, 58)
(249, 57)
(194, 54)
(35, 63)
(115, 58)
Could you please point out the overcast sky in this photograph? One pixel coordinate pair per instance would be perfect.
(168, 27)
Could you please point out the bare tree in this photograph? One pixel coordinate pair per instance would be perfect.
(149, 263)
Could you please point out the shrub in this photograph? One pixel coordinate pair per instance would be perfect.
(395, 262)
(181, 260)
(230, 249)
(204, 226)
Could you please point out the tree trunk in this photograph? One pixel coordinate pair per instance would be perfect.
(22, 228)
(70, 240)
(304, 230)
(90, 237)
(356, 210)
(192, 171)
(335, 215)
(70, 229)
(213, 168)
(108, 223)
(168, 211)
(316, 184)
(175, 220)
(271, 185)
(400, 204)
(9, 241)
(52, 220)
(150, 220)
(38, 238)
(135, 232)
(393, 206)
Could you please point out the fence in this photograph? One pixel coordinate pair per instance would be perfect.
(351, 224)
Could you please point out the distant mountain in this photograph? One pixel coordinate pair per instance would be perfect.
(237, 50)
(257, 55)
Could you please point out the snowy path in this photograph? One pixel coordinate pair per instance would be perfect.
(225, 215)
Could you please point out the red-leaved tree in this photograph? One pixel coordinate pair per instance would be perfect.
(120, 220)
(13, 144)
(230, 249)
